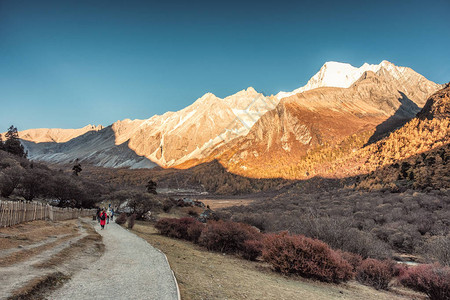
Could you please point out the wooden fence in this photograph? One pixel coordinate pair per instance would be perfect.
(15, 212)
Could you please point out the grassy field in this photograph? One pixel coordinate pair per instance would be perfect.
(207, 275)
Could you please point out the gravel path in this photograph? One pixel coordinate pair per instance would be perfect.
(130, 268)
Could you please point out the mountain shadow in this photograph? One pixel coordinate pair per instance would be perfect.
(93, 147)
(407, 110)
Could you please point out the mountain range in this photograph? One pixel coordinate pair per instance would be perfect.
(250, 133)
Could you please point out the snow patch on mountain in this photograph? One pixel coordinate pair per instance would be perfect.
(342, 75)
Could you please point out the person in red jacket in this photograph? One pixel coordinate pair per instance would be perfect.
(103, 217)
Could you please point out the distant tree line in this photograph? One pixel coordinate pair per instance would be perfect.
(22, 178)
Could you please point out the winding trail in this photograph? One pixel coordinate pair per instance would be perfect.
(130, 268)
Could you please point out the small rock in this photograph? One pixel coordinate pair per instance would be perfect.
(20, 246)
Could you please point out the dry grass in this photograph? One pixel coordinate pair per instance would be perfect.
(22, 255)
(92, 239)
(223, 203)
(37, 288)
(39, 236)
(33, 232)
(73, 248)
(206, 275)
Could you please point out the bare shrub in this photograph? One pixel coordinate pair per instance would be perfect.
(10, 179)
(339, 234)
(251, 249)
(121, 219)
(131, 221)
(195, 230)
(438, 249)
(399, 269)
(227, 237)
(184, 228)
(375, 273)
(168, 204)
(257, 220)
(141, 202)
(34, 183)
(297, 254)
(433, 280)
(353, 259)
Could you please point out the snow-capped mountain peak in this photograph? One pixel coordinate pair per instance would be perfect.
(210, 124)
(342, 75)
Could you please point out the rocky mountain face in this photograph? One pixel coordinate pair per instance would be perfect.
(417, 154)
(307, 122)
(57, 135)
(193, 132)
(437, 106)
(247, 131)
(94, 147)
(167, 140)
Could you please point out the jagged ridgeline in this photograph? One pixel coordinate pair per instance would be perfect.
(326, 128)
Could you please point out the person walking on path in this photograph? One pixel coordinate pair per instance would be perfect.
(103, 217)
(108, 215)
(98, 214)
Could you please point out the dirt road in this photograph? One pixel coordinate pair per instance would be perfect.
(130, 268)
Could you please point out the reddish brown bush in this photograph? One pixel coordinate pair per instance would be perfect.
(195, 230)
(227, 237)
(131, 221)
(163, 225)
(375, 273)
(251, 249)
(297, 254)
(184, 228)
(353, 259)
(121, 219)
(399, 269)
(433, 280)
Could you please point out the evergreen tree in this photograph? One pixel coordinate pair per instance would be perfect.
(12, 143)
(1, 143)
(151, 187)
(77, 168)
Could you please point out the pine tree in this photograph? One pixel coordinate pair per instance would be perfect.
(77, 168)
(151, 187)
(12, 143)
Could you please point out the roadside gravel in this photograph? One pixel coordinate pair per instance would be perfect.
(130, 268)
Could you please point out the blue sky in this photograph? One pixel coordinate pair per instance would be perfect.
(67, 64)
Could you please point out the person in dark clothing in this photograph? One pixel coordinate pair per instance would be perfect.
(98, 214)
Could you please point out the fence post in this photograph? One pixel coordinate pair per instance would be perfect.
(13, 213)
(2, 207)
(51, 215)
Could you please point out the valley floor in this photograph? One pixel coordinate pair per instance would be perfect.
(207, 275)
(70, 260)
